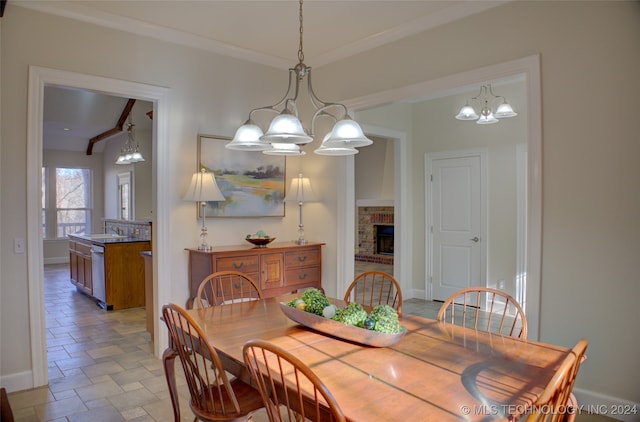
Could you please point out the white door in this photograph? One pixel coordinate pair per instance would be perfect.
(456, 206)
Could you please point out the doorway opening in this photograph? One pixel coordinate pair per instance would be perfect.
(528, 69)
(39, 78)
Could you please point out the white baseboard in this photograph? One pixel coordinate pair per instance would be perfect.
(612, 407)
(416, 294)
(57, 260)
(17, 382)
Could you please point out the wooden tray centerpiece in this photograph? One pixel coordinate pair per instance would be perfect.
(339, 329)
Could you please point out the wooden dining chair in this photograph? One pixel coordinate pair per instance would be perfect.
(486, 309)
(289, 388)
(224, 287)
(554, 404)
(213, 396)
(373, 288)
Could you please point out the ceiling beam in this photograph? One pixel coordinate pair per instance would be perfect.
(116, 130)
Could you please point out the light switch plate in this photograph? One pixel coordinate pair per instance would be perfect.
(18, 245)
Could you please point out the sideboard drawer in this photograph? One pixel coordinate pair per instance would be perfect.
(302, 257)
(244, 264)
(307, 276)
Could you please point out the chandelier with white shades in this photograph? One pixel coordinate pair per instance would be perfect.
(485, 103)
(286, 135)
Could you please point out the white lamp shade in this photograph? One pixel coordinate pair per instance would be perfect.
(504, 111)
(467, 113)
(487, 119)
(286, 128)
(284, 149)
(334, 150)
(203, 188)
(247, 138)
(347, 133)
(300, 190)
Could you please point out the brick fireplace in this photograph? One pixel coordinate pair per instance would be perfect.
(375, 234)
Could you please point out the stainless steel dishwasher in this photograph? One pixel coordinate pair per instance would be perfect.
(97, 273)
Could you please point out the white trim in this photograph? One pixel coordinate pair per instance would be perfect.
(402, 204)
(17, 382)
(530, 67)
(521, 224)
(612, 407)
(374, 203)
(40, 77)
(345, 243)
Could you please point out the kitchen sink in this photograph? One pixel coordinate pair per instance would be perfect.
(104, 236)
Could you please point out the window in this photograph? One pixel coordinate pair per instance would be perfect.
(66, 201)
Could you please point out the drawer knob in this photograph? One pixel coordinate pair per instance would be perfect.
(302, 258)
(302, 276)
(238, 266)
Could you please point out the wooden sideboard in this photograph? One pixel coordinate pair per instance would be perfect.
(278, 269)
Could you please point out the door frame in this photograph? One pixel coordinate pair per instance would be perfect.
(529, 67)
(126, 176)
(39, 77)
(482, 154)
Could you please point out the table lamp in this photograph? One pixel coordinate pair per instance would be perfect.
(300, 192)
(203, 189)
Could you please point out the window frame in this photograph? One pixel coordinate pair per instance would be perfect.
(50, 209)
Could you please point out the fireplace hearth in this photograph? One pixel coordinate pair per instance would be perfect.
(384, 239)
(375, 234)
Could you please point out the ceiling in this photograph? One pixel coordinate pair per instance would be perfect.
(266, 31)
(262, 31)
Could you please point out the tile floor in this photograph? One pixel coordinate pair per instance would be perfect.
(101, 366)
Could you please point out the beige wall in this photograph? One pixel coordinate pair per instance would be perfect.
(374, 171)
(209, 94)
(590, 62)
(590, 59)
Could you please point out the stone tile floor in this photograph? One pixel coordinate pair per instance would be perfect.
(101, 364)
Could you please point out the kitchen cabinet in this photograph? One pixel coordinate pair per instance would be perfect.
(278, 269)
(80, 265)
(123, 270)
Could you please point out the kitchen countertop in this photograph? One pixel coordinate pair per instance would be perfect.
(100, 239)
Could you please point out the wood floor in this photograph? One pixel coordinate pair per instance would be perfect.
(101, 365)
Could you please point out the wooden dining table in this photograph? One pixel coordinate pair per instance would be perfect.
(436, 372)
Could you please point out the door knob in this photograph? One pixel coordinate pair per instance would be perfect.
(475, 239)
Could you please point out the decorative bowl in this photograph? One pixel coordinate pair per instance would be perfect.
(260, 242)
(339, 329)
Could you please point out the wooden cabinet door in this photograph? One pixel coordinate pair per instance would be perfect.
(271, 270)
(73, 267)
(88, 276)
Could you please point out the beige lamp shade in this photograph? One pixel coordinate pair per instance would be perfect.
(300, 190)
(203, 188)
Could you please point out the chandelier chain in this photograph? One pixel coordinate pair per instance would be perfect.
(300, 51)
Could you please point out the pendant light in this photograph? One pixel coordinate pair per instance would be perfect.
(486, 101)
(129, 153)
(287, 129)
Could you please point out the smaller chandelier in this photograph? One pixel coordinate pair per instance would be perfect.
(286, 133)
(129, 153)
(486, 101)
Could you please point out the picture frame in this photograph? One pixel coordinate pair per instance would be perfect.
(252, 183)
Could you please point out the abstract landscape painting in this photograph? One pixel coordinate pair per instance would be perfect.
(252, 183)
